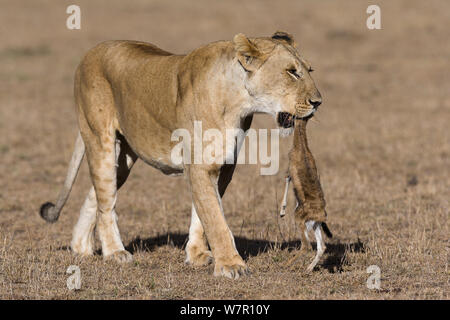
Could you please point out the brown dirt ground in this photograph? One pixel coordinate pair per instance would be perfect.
(381, 141)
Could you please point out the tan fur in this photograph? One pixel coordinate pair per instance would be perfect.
(303, 172)
(141, 94)
(308, 190)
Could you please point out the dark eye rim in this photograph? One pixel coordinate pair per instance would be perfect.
(294, 72)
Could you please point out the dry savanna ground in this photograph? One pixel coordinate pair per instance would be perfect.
(381, 141)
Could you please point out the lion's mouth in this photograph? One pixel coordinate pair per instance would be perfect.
(286, 119)
(308, 115)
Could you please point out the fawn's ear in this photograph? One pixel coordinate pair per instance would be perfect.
(284, 37)
(248, 54)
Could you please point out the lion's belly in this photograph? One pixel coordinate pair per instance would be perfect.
(154, 152)
(163, 166)
(150, 140)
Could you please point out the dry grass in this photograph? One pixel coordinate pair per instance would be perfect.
(381, 141)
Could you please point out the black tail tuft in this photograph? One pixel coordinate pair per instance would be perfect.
(326, 230)
(47, 212)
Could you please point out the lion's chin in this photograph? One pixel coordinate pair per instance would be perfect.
(307, 115)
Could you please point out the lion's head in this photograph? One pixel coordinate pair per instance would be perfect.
(278, 79)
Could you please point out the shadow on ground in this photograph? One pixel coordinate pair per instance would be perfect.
(336, 254)
(335, 257)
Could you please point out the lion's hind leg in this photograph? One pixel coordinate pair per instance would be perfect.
(102, 159)
(197, 252)
(83, 232)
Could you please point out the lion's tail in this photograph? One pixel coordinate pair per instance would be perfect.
(50, 212)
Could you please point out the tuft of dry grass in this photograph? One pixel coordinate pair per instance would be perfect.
(380, 140)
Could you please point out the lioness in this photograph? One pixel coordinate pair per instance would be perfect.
(131, 96)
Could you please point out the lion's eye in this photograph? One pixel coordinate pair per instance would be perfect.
(294, 73)
(310, 70)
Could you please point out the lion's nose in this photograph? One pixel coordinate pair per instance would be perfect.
(315, 102)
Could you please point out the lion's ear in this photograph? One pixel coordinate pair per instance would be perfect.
(284, 37)
(247, 52)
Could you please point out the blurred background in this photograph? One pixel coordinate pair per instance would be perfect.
(380, 139)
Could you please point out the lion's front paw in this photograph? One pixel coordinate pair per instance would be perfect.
(233, 268)
(197, 257)
(121, 256)
(83, 246)
(82, 251)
